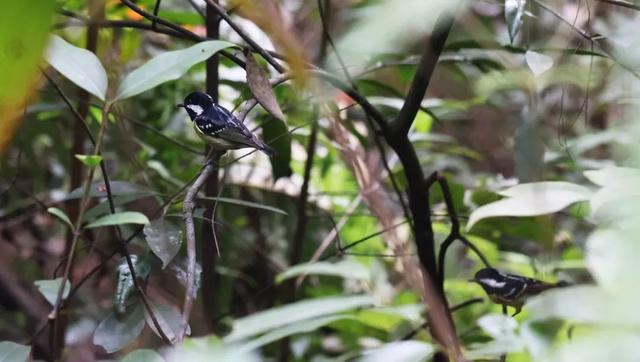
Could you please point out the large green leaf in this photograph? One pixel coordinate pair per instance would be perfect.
(24, 26)
(119, 218)
(167, 66)
(291, 314)
(531, 199)
(14, 352)
(80, 66)
(49, 289)
(164, 239)
(404, 351)
(345, 269)
(117, 331)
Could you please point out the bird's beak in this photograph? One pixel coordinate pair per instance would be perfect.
(180, 105)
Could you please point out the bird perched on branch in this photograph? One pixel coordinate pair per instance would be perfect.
(218, 127)
(511, 290)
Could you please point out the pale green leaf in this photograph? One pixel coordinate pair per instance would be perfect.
(125, 217)
(80, 66)
(612, 175)
(279, 317)
(14, 352)
(60, 215)
(345, 269)
(90, 160)
(117, 331)
(403, 351)
(167, 66)
(538, 62)
(143, 355)
(49, 289)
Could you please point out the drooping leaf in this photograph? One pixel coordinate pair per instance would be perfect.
(345, 269)
(169, 318)
(261, 87)
(14, 352)
(24, 27)
(119, 218)
(244, 203)
(117, 331)
(125, 285)
(49, 289)
(293, 313)
(164, 240)
(167, 66)
(538, 62)
(513, 12)
(90, 160)
(404, 351)
(80, 66)
(276, 135)
(143, 355)
(532, 199)
(60, 215)
(118, 188)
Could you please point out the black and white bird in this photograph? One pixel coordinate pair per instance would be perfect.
(218, 127)
(511, 290)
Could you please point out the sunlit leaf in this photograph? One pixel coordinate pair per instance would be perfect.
(167, 66)
(289, 314)
(538, 62)
(119, 218)
(90, 160)
(164, 240)
(612, 175)
(80, 66)
(261, 87)
(49, 289)
(403, 351)
(14, 352)
(513, 12)
(344, 269)
(143, 355)
(24, 26)
(117, 331)
(60, 215)
(532, 199)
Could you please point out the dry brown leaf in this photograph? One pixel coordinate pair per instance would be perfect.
(261, 87)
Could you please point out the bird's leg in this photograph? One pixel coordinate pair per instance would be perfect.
(518, 310)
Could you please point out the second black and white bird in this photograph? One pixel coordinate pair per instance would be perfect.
(218, 127)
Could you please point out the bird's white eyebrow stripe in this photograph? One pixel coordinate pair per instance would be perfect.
(493, 283)
(195, 108)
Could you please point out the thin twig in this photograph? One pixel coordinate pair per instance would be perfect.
(621, 3)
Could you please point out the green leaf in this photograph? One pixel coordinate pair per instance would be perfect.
(260, 86)
(118, 188)
(345, 269)
(49, 289)
(125, 285)
(60, 215)
(143, 355)
(289, 314)
(163, 239)
(80, 66)
(612, 175)
(538, 62)
(531, 199)
(169, 318)
(513, 12)
(117, 331)
(167, 66)
(276, 135)
(119, 218)
(404, 351)
(244, 203)
(14, 352)
(305, 326)
(90, 160)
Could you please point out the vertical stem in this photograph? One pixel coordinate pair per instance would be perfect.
(208, 252)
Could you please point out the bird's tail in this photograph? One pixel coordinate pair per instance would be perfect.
(266, 149)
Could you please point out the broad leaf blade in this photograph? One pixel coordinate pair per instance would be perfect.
(261, 87)
(164, 240)
(345, 269)
(60, 215)
(169, 318)
(117, 331)
(119, 218)
(49, 289)
(404, 351)
(167, 66)
(538, 62)
(513, 12)
(80, 66)
(143, 355)
(276, 135)
(13, 352)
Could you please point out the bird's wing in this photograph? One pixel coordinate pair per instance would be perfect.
(219, 122)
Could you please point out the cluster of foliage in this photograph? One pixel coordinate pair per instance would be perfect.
(338, 247)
